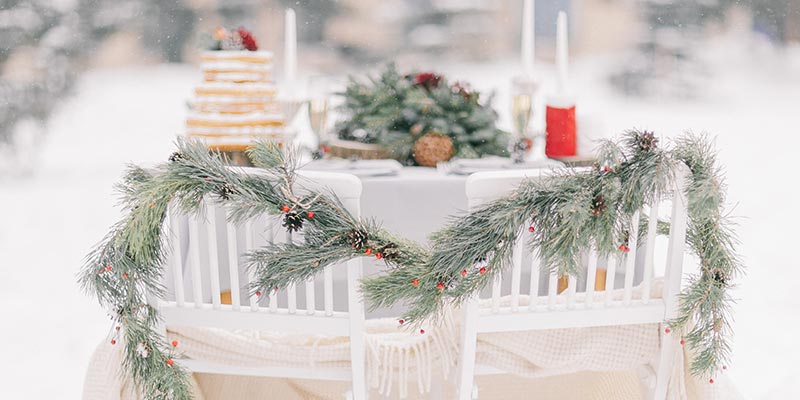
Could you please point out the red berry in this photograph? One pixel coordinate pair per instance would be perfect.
(401, 322)
(482, 270)
(124, 274)
(285, 208)
(378, 255)
(415, 282)
(113, 342)
(667, 330)
(606, 169)
(463, 272)
(439, 286)
(711, 380)
(258, 294)
(108, 267)
(724, 367)
(624, 248)
(531, 229)
(174, 343)
(169, 362)
(682, 342)
(117, 328)
(310, 214)
(422, 331)
(368, 251)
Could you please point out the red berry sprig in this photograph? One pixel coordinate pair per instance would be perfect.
(415, 282)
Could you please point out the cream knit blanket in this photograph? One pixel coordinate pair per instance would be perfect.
(581, 363)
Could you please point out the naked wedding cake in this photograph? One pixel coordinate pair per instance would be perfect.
(235, 104)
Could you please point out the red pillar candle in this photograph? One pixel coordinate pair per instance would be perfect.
(561, 136)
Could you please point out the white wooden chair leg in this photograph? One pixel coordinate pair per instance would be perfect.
(665, 365)
(466, 361)
(358, 356)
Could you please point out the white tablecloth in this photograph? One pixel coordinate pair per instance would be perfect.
(414, 203)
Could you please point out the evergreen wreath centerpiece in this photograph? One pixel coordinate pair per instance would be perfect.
(420, 118)
(592, 207)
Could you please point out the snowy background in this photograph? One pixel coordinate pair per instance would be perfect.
(62, 203)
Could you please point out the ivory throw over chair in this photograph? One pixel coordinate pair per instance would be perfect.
(207, 258)
(488, 313)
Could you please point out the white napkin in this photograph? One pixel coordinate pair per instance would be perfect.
(466, 166)
(356, 167)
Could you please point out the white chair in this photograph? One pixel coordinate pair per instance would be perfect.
(207, 258)
(550, 312)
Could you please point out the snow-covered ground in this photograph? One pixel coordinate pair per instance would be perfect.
(49, 221)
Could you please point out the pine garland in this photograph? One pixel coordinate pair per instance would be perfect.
(567, 212)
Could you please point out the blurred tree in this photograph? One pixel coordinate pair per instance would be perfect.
(167, 26)
(664, 62)
(46, 45)
(54, 38)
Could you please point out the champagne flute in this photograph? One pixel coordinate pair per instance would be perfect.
(319, 92)
(523, 95)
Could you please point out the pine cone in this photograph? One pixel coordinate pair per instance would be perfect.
(646, 141)
(433, 148)
(390, 251)
(719, 277)
(357, 239)
(293, 221)
(598, 205)
(176, 156)
(226, 192)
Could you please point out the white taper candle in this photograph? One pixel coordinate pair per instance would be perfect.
(528, 38)
(562, 51)
(290, 47)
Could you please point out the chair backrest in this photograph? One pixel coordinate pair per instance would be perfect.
(546, 308)
(207, 260)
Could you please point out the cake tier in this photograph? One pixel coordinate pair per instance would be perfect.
(236, 66)
(238, 140)
(245, 56)
(235, 90)
(218, 120)
(210, 104)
